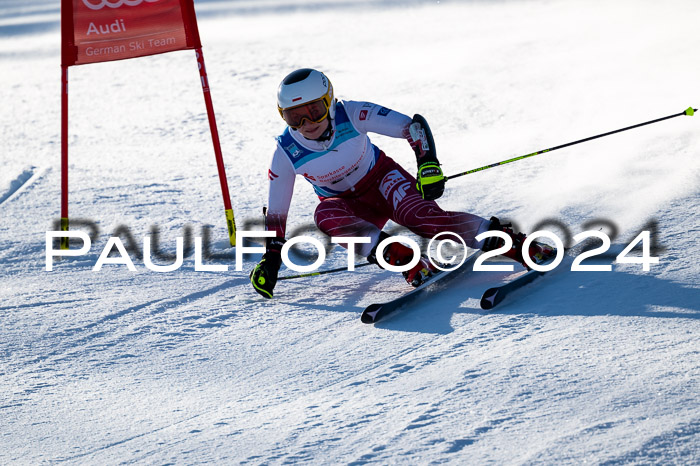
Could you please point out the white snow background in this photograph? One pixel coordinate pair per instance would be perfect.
(189, 367)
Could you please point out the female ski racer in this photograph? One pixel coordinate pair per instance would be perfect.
(360, 188)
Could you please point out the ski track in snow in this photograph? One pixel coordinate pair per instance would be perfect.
(22, 182)
(193, 367)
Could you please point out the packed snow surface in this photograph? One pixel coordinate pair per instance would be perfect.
(190, 366)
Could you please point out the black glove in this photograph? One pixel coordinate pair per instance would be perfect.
(431, 181)
(264, 276)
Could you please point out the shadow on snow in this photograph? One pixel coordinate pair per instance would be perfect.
(561, 294)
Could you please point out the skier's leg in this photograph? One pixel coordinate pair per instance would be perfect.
(349, 217)
(426, 218)
(538, 252)
(398, 254)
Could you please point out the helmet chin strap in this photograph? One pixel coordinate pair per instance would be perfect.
(328, 133)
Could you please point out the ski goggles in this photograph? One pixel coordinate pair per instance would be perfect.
(315, 112)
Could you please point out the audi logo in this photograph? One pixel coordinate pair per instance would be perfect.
(113, 4)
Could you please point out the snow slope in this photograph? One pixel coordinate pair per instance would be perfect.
(188, 367)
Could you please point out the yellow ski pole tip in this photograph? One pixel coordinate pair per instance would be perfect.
(690, 111)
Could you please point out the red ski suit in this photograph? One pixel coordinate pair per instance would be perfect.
(388, 192)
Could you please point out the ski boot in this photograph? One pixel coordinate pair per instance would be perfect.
(398, 254)
(538, 252)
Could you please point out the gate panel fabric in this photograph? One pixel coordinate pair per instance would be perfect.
(105, 30)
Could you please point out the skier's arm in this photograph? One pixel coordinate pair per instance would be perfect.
(372, 118)
(281, 187)
(369, 117)
(281, 175)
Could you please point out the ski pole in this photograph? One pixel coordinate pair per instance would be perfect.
(322, 272)
(690, 111)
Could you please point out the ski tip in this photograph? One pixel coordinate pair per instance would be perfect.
(369, 315)
(691, 111)
(488, 300)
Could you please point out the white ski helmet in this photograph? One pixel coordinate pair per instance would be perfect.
(303, 87)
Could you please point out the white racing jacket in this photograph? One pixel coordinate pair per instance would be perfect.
(334, 166)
